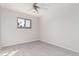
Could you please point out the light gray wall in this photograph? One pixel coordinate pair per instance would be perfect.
(0, 27)
(10, 34)
(60, 26)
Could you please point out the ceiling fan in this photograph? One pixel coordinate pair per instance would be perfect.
(38, 6)
(35, 7)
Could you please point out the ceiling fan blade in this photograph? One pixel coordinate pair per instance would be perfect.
(44, 6)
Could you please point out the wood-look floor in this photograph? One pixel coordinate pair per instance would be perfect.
(36, 48)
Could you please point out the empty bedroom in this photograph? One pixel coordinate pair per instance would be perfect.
(39, 29)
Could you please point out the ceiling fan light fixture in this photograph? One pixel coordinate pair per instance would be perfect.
(35, 13)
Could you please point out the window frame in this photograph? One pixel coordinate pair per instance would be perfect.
(25, 19)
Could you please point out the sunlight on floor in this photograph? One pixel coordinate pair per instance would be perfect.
(9, 53)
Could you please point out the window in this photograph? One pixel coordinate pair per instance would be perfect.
(24, 23)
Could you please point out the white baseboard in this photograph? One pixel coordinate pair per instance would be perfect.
(19, 43)
(50, 42)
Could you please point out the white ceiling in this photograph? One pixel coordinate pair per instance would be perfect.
(28, 9)
(22, 7)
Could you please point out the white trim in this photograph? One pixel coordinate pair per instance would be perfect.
(50, 42)
(19, 43)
